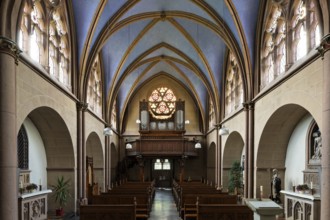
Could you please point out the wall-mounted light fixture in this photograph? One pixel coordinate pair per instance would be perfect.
(223, 131)
(198, 145)
(187, 122)
(129, 146)
(107, 131)
(138, 121)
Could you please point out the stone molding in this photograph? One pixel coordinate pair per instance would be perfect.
(324, 45)
(10, 47)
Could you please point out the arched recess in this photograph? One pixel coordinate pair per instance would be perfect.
(59, 150)
(210, 164)
(275, 141)
(232, 152)
(114, 162)
(94, 150)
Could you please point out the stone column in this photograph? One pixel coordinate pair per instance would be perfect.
(218, 165)
(325, 132)
(9, 53)
(107, 162)
(249, 151)
(81, 151)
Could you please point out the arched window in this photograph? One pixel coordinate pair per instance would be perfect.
(37, 40)
(59, 50)
(23, 149)
(273, 51)
(234, 86)
(291, 30)
(162, 103)
(315, 33)
(298, 23)
(44, 24)
(94, 90)
(162, 164)
(114, 116)
(211, 114)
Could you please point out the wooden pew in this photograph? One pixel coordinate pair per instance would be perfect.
(189, 210)
(223, 212)
(108, 212)
(138, 193)
(142, 201)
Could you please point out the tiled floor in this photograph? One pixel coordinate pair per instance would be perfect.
(163, 207)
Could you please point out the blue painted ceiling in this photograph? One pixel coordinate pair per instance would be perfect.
(187, 40)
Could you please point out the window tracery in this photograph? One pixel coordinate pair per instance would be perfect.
(43, 35)
(234, 86)
(162, 103)
(211, 114)
(273, 53)
(114, 116)
(289, 25)
(94, 90)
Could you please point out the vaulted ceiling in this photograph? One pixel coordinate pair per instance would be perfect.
(187, 40)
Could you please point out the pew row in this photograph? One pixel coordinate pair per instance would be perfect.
(108, 212)
(223, 212)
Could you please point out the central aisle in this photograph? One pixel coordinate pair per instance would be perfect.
(163, 207)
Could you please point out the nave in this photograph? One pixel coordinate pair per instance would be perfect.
(163, 207)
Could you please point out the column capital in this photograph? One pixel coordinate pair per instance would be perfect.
(249, 105)
(10, 47)
(324, 45)
(82, 106)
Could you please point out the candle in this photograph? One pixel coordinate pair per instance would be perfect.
(311, 185)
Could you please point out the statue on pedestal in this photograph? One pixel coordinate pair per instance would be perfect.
(317, 146)
(276, 187)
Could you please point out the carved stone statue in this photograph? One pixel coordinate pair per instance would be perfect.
(317, 146)
(276, 187)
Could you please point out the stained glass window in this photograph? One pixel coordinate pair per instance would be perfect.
(162, 103)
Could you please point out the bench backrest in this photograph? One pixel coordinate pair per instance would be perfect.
(224, 212)
(107, 212)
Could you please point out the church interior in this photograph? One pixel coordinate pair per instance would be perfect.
(225, 104)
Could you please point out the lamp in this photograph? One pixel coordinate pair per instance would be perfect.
(223, 131)
(198, 145)
(138, 121)
(107, 131)
(187, 122)
(129, 146)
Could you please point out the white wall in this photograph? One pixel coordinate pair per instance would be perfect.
(295, 161)
(37, 155)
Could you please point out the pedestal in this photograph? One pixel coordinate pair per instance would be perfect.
(33, 205)
(264, 209)
(304, 206)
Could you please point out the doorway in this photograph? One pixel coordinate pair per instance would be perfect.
(162, 172)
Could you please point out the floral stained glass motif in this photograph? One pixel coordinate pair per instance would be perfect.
(162, 103)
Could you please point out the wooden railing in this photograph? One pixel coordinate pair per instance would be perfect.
(165, 146)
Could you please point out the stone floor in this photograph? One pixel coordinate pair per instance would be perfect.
(163, 207)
